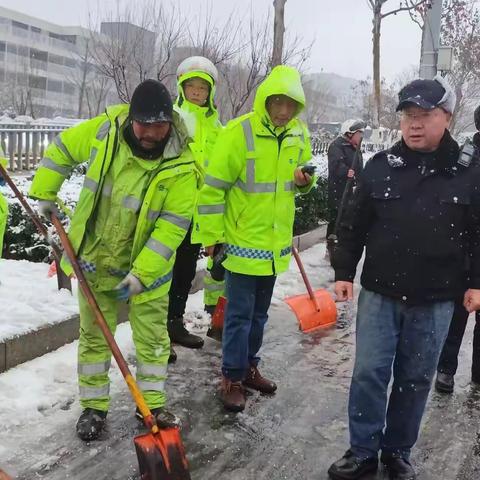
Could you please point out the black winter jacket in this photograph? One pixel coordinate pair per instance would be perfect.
(340, 158)
(418, 215)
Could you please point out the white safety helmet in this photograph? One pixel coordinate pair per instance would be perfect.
(353, 125)
(197, 64)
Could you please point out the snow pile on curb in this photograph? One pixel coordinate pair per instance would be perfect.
(29, 299)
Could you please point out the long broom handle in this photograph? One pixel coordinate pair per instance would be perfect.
(348, 185)
(36, 220)
(305, 278)
(148, 418)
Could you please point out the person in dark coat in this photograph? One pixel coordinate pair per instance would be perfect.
(448, 363)
(416, 210)
(341, 154)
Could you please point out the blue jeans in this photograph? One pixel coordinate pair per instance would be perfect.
(248, 300)
(390, 332)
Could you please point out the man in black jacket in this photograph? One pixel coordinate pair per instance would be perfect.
(341, 154)
(414, 210)
(448, 363)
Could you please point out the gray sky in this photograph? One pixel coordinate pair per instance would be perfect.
(341, 29)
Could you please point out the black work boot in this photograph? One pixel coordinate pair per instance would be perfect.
(164, 418)
(350, 467)
(91, 423)
(172, 358)
(398, 468)
(179, 334)
(444, 383)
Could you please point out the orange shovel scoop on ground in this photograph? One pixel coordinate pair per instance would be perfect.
(314, 310)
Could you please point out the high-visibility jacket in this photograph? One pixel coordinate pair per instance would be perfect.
(248, 200)
(207, 123)
(163, 212)
(3, 207)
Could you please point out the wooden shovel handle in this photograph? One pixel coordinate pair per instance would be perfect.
(148, 418)
(305, 278)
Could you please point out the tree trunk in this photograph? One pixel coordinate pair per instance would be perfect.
(377, 23)
(278, 31)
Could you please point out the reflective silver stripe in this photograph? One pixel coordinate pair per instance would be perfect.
(93, 154)
(247, 131)
(51, 165)
(94, 392)
(90, 184)
(160, 248)
(152, 370)
(289, 186)
(208, 209)
(144, 385)
(214, 287)
(250, 186)
(58, 142)
(301, 150)
(132, 203)
(107, 189)
(103, 130)
(177, 220)
(93, 368)
(153, 214)
(217, 183)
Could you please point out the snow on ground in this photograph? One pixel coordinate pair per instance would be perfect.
(69, 193)
(30, 299)
(50, 382)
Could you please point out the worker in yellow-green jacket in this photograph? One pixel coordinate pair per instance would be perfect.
(248, 205)
(134, 210)
(196, 77)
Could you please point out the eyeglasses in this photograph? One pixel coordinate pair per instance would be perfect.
(422, 117)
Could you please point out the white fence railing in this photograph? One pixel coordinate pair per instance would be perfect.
(24, 147)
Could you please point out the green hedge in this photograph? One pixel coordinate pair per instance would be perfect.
(311, 208)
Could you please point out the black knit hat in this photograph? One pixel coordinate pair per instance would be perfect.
(151, 103)
(476, 117)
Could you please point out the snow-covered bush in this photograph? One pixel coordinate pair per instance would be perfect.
(311, 208)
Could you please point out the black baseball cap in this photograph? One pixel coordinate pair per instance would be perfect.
(426, 94)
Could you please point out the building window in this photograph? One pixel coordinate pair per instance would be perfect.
(35, 29)
(3, 46)
(35, 81)
(21, 25)
(38, 55)
(11, 48)
(70, 63)
(54, 86)
(68, 88)
(22, 51)
(64, 38)
(58, 59)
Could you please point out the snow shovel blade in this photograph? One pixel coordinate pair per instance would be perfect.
(4, 476)
(215, 330)
(161, 455)
(311, 314)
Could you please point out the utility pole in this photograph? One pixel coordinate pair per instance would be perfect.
(431, 40)
(278, 31)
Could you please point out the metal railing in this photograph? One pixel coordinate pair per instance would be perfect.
(24, 147)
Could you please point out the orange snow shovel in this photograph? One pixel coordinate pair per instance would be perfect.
(313, 310)
(4, 476)
(215, 330)
(160, 452)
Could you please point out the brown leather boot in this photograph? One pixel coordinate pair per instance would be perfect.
(232, 395)
(255, 381)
